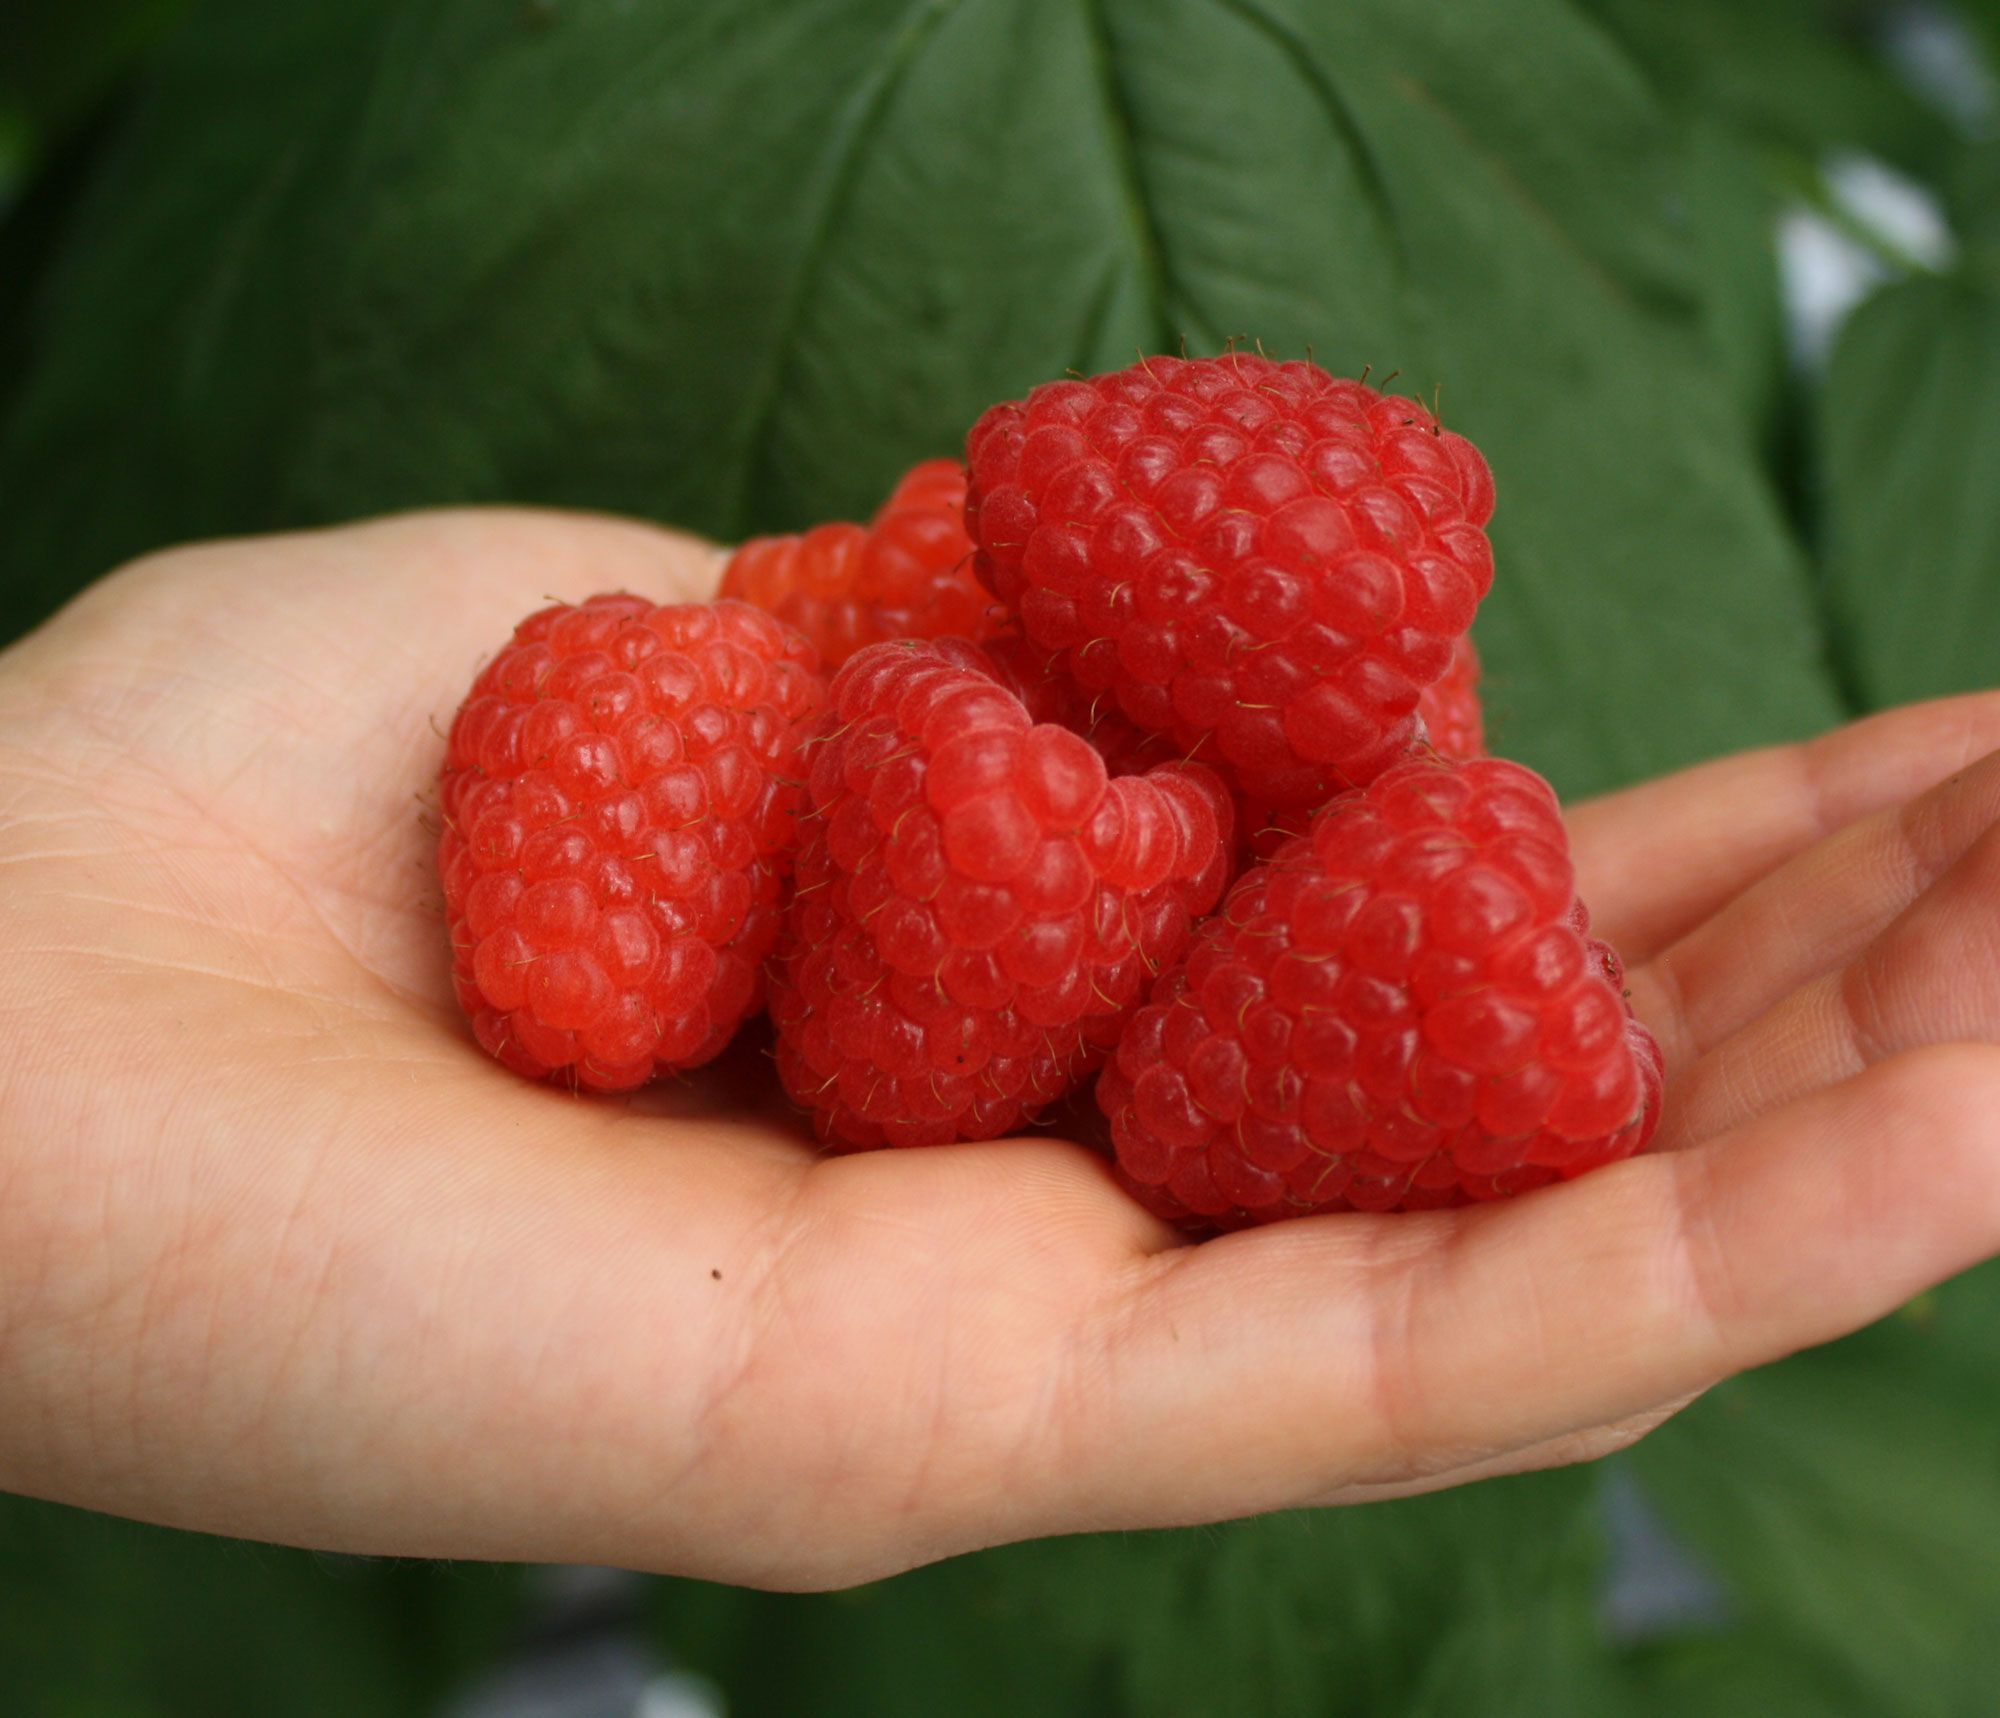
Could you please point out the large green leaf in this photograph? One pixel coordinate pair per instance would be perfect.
(1732, 210)
(65, 66)
(1973, 197)
(59, 58)
(1910, 433)
(16, 145)
(1475, 1601)
(167, 331)
(1802, 75)
(733, 266)
(1850, 1499)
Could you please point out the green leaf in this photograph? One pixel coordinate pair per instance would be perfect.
(1973, 197)
(16, 145)
(1850, 1499)
(1741, 1674)
(1732, 212)
(1474, 1601)
(60, 58)
(1803, 75)
(31, 230)
(108, 1619)
(1983, 16)
(1909, 429)
(733, 267)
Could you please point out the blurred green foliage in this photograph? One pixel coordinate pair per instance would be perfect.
(106, 1619)
(1911, 440)
(737, 266)
(1474, 1601)
(61, 60)
(734, 265)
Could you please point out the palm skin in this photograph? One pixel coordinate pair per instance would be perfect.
(282, 1254)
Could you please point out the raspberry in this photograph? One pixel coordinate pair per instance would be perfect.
(1454, 718)
(1403, 1009)
(908, 575)
(1049, 695)
(979, 907)
(619, 799)
(1262, 562)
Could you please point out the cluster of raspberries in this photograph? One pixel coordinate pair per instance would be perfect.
(1145, 747)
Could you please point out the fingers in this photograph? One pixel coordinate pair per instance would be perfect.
(1655, 860)
(360, 635)
(1931, 977)
(294, 690)
(1292, 1364)
(562, 556)
(412, 579)
(1811, 915)
(1592, 1444)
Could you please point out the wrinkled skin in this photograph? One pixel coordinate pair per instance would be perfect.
(282, 1254)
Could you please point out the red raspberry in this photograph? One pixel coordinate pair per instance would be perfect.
(620, 798)
(1403, 1009)
(908, 575)
(1050, 695)
(1454, 718)
(978, 907)
(1263, 562)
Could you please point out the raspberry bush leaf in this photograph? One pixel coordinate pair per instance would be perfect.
(1717, 56)
(738, 269)
(1849, 1500)
(1910, 433)
(58, 59)
(1473, 1601)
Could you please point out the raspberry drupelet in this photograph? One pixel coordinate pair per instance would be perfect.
(1403, 1009)
(1451, 709)
(620, 793)
(1049, 695)
(1454, 722)
(1258, 560)
(978, 908)
(906, 575)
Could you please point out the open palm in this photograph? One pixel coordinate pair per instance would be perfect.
(282, 1254)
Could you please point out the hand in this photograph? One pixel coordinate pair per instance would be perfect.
(282, 1254)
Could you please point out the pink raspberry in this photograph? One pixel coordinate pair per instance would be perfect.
(1454, 721)
(1050, 695)
(619, 799)
(1259, 561)
(979, 907)
(1403, 1009)
(1451, 710)
(906, 575)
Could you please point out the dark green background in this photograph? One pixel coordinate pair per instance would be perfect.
(734, 265)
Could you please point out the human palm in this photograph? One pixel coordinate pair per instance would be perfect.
(282, 1254)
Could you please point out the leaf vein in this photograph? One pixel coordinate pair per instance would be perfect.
(863, 120)
(1142, 220)
(1346, 123)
